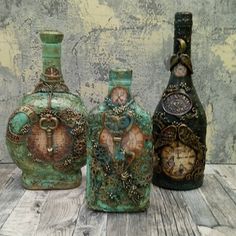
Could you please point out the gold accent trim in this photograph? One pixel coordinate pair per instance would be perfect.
(182, 45)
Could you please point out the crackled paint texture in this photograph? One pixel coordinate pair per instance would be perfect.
(136, 34)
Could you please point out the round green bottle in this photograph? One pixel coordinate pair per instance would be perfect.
(119, 146)
(46, 135)
(179, 121)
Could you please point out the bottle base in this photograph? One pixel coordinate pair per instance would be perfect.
(119, 209)
(176, 185)
(51, 182)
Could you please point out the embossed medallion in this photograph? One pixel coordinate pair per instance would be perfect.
(177, 103)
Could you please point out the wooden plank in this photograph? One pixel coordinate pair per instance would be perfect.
(10, 195)
(137, 224)
(226, 172)
(90, 223)
(5, 173)
(208, 170)
(45, 213)
(142, 223)
(209, 210)
(116, 224)
(199, 208)
(222, 206)
(217, 231)
(60, 211)
(227, 187)
(157, 211)
(25, 217)
(166, 213)
(180, 213)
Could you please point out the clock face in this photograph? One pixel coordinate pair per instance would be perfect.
(177, 160)
(119, 95)
(180, 70)
(177, 103)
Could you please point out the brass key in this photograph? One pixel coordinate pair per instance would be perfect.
(49, 123)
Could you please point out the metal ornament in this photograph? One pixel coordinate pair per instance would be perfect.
(119, 163)
(177, 103)
(46, 135)
(179, 121)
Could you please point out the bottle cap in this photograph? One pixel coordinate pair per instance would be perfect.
(50, 36)
(183, 19)
(120, 77)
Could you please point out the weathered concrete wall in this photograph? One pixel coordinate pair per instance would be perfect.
(132, 33)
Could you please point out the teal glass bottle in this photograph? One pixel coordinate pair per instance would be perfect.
(46, 135)
(179, 121)
(119, 148)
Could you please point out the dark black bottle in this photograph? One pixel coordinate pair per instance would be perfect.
(179, 121)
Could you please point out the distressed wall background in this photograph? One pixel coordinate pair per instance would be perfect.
(132, 33)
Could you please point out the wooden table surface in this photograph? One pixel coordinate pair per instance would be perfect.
(210, 210)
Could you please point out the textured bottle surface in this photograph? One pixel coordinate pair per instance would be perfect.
(179, 121)
(46, 134)
(119, 146)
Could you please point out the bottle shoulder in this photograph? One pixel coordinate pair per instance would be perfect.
(135, 113)
(134, 107)
(59, 101)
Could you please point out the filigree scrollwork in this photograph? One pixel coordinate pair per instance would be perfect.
(78, 128)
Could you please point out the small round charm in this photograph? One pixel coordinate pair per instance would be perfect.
(180, 70)
(177, 104)
(119, 96)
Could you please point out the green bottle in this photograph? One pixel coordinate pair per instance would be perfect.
(179, 121)
(119, 146)
(46, 135)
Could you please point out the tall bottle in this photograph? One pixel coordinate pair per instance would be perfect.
(179, 121)
(46, 135)
(119, 162)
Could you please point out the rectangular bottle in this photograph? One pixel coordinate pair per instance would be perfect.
(119, 147)
(179, 121)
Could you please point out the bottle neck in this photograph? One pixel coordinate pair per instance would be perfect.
(119, 86)
(183, 31)
(51, 56)
(180, 63)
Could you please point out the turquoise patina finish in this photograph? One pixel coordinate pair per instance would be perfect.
(46, 134)
(119, 149)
